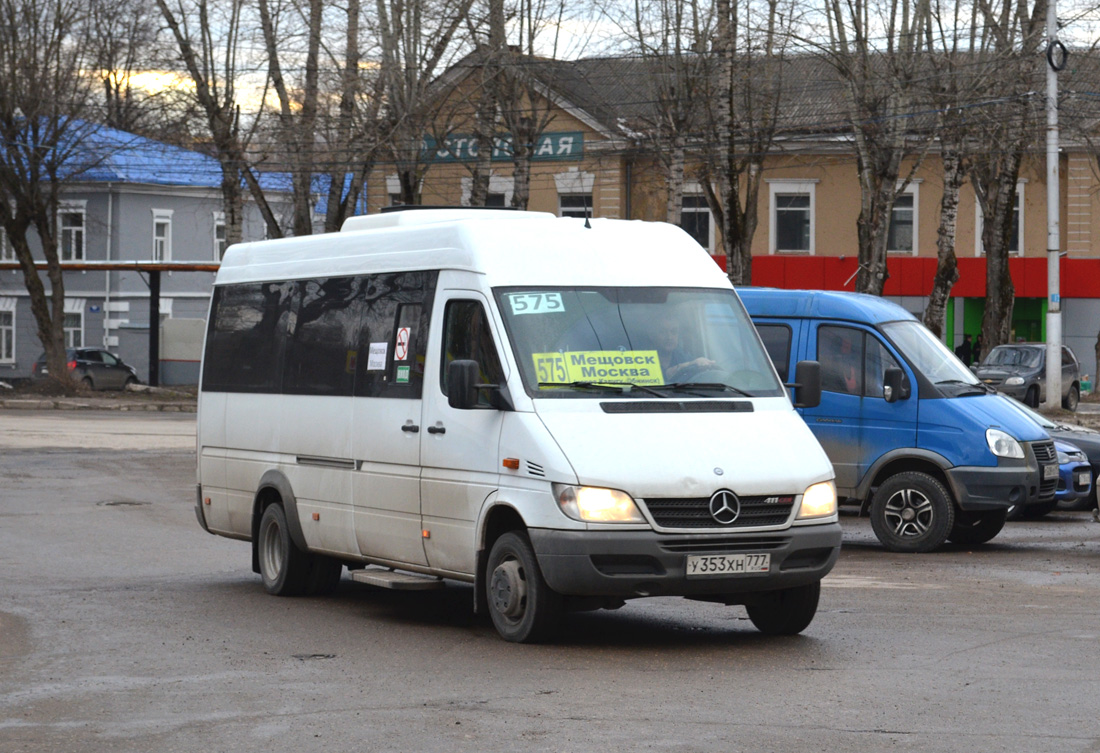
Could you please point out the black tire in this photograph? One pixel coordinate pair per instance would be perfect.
(788, 611)
(977, 527)
(286, 570)
(523, 608)
(1084, 503)
(912, 512)
(1038, 510)
(1031, 397)
(1070, 401)
(86, 383)
(129, 381)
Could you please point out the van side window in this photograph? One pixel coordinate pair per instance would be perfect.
(878, 361)
(393, 334)
(777, 341)
(466, 335)
(245, 337)
(840, 352)
(323, 341)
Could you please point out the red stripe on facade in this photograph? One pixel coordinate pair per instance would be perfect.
(913, 276)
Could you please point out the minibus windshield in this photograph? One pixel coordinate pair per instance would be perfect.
(928, 355)
(597, 342)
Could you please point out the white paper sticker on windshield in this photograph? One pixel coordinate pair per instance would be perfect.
(535, 303)
(376, 360)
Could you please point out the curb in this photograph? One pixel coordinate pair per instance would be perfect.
(69, 404)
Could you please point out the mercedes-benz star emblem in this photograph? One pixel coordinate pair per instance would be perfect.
(725, 507)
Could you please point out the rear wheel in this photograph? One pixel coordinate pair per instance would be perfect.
(1069, 402)
(523, 608)
(912, 512)
(977, 527)
(86, 383)
(788, 611)
(286, 570)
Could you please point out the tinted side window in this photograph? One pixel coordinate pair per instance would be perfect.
(777, 341)
(246, 337)
(467, 336)
(840, 352)
(322, 346)
(393, 335)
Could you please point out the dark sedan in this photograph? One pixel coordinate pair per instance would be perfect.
(1019, 371)
(1088, 440)
(95, 368)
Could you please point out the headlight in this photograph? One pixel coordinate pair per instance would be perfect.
(818, 501)
(593, 504)
(1003, 445)
(1014, 381)
(1070, 457)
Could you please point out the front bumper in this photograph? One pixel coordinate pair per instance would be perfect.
(628, 564)
(1011, 483)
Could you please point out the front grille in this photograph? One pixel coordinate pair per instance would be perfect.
(694, 512)
(1044, 451)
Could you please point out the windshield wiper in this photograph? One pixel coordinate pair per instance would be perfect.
(708, 386)
(598, 386)
(982, 387)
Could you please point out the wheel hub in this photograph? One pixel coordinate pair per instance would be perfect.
(508, 590)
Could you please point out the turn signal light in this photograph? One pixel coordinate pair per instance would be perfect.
(512, 463)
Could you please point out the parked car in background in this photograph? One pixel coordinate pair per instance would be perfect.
(1087, 440)
(1019, 371)
(95, 368)
(1075, 481)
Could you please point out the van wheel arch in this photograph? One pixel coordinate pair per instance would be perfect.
(930, 465)
(274, 487)
(498, 521)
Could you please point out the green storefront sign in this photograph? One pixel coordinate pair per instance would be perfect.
(463, 148)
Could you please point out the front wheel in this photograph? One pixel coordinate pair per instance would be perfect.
(1070, 401)
(912, 512)
(788, 611)
(523, 608)
(977, 527)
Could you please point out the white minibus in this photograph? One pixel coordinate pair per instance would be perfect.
(564, 413)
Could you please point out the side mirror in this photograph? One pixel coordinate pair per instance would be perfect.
(807, 384)
(462, 388)
(891, 384)
(462, 384)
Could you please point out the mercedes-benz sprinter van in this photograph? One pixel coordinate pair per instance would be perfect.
(915, 438)
(565, 414)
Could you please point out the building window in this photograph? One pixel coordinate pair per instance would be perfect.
(220, 244)
(7, 251)
(695, 219)
(71, 220)
(901, 238)
(792, 216)
(162, 235)
(7, 331)
(74, 330)
(495, 200)
(1016, 235)
(575, 206)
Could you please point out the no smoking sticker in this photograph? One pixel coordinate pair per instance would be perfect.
(401, 349)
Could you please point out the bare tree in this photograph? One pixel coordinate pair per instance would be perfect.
(416, 36)
(743, 116)
(208, 36)
(1011, 33)
(44, 101)
(875, 49)
(123, 43)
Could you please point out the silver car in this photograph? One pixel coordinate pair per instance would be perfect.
(1019, 371)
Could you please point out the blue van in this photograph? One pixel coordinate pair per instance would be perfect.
(915, 438)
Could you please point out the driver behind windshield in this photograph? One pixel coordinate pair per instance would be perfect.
(676, 363)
